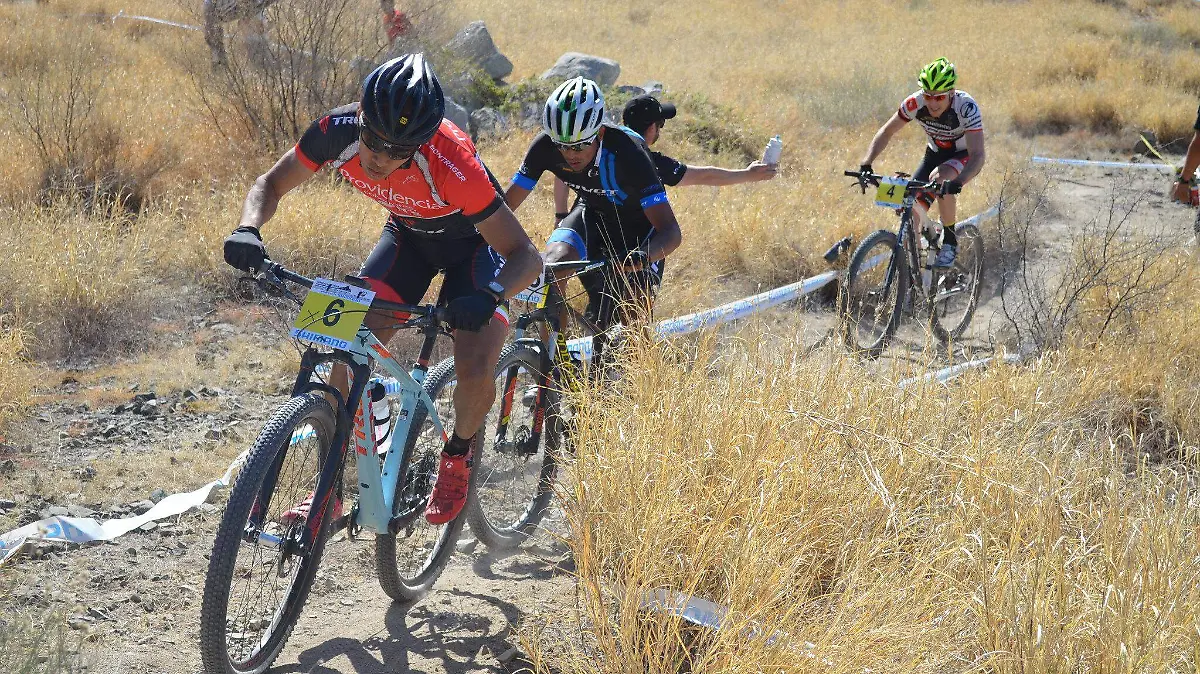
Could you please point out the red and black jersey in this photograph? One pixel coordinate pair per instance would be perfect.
(444, 191)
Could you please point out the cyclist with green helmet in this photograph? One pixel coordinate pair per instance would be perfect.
(955, 152)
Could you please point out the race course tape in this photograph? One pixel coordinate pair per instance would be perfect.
(1104, 164)
(87, 529)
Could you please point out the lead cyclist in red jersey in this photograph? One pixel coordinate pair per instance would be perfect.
(446, 213)
(955, 152)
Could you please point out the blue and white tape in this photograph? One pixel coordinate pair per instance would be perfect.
(1101, 164)
(87, 529)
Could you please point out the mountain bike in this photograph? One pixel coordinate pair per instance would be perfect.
(526, 430)
(284, 505)
(886, 276)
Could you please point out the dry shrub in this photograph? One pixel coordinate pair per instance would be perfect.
(15, 384)
(994, 526)
(79, 284)
(37, 645)
(1113, 281)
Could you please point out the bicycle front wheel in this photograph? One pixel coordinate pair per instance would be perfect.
(409, 562)
(522, 437)
(957, 289)
(873, 294)
(259, 574)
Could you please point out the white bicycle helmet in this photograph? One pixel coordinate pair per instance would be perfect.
(574, 111)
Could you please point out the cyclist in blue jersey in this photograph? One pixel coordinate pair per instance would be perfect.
(625, 214)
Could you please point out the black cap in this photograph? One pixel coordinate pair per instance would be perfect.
(644, 110)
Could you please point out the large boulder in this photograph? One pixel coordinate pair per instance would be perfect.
(596, 68)
(488, 123)
(458, 114)
(474, 43)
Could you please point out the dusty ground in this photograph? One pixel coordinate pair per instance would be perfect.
(95, 443)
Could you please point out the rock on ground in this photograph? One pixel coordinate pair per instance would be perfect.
(474, 42)
(573, 64)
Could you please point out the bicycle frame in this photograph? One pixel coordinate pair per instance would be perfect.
(377, 487)
(545, 315)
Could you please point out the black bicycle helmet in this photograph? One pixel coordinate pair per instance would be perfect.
(402, 100)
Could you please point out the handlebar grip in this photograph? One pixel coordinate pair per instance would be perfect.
(852, 174)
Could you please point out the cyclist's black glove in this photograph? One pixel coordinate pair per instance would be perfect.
(865, 168)
(638, 259)
(471, 312)
(951, 187)
(244, 249)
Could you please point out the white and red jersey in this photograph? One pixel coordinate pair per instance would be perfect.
(948, 130)
(444, 191)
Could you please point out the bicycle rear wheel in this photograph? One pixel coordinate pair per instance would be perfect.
(516, 476)
(410, 561)
(873, 294)
(958, 288)
(259, 576)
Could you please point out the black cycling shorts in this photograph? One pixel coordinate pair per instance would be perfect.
(936, 157)
(403, 264)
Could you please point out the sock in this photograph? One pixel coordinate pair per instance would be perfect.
(457, 446)
(948, 235)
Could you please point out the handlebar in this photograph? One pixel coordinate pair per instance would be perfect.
(272, 274)
(864, 178)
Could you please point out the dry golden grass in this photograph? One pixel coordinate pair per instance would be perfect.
(1025, 519)
(15, 384)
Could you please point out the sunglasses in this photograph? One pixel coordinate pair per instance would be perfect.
(380, 146)
(938, 98)
(574, 147)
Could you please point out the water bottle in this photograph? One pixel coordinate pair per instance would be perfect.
(774, 149)
(381, 412)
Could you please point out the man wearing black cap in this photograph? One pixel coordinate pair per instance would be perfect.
(645, 116)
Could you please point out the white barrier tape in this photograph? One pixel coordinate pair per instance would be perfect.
(946, 374)
(149, 19)
(1104, 164)
(87, 529)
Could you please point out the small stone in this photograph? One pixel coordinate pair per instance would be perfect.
(148, 526)
(8, 467)
(80, 511)
(467, 545)
(6, 504)
(86, 473)
(110, 430)
(214, 434)
(208, 508)
(52, 511)
(158, 495)
(141, 507)
(190, 396)
(134, 386)
(135, 598)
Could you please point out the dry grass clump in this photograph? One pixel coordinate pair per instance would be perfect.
(37, 645)
(15, 384)
(1026, 519)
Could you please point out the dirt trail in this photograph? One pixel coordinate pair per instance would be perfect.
(138, 598)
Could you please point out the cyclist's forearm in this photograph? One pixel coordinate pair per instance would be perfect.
(1192, 160)
(973, 167)
(521, 268)
(261, 203)
(665, 242)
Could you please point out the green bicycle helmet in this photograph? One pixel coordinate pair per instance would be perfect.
(938, 76)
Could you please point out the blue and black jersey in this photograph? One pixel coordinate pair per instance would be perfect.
(616, 187)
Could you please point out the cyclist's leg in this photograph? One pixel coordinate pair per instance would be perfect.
(475, 353)
(948, 204)
(397, 272)
(475, 357)
(567, 243)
